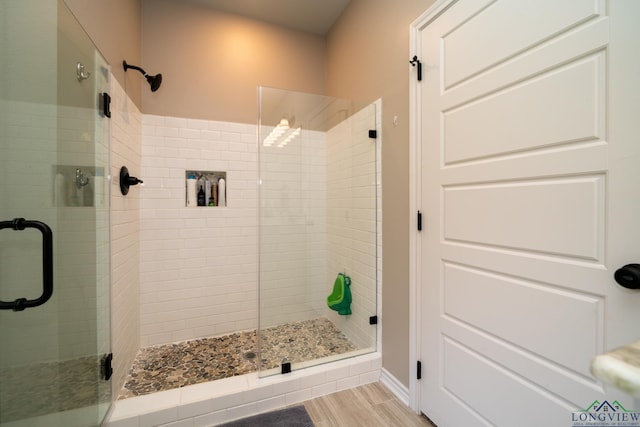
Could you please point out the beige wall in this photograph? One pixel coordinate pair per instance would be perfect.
(115, 28)
(212, 62)
(368, 58)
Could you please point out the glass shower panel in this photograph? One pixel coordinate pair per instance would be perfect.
(53, 158)
(317, 230)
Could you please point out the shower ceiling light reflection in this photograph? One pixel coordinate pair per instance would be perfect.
(281, 135)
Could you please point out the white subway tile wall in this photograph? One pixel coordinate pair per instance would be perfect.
(293, 285)
(197, 264)
(126, 149)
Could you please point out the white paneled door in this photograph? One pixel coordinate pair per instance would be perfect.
(530, 191)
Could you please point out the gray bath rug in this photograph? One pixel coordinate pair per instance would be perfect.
(289, 417)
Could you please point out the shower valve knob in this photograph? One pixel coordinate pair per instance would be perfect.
(127, 180)
(132, 180)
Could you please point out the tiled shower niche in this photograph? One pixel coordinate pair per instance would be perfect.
(213, 185)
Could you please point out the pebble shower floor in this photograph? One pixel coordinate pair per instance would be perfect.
(169, 366)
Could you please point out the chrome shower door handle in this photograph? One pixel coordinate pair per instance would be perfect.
(19, 224)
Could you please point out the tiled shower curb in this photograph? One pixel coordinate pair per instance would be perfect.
(217, 402)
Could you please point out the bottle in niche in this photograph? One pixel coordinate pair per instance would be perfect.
(207, 188)
(222, 193)
(201, 197)
(191, 190)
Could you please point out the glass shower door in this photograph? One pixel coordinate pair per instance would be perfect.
(54, 220)
(317, 226)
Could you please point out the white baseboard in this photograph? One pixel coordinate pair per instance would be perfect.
(396, 387)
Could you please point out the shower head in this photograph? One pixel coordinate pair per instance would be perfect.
(154, 81)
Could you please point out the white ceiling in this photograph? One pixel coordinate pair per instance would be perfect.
(312, 16)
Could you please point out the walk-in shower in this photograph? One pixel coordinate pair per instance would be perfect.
(311, 247)
(54, 250)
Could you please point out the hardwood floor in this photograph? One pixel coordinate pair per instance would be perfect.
(370, 405)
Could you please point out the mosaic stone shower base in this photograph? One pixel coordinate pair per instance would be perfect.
(46, 388)
(171, 366)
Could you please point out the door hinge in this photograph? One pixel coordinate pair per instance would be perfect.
(419, 370)
(373, 320)
(415, 61)
(419, 221)
(373, 134)
(107, 366)
(106, 104)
